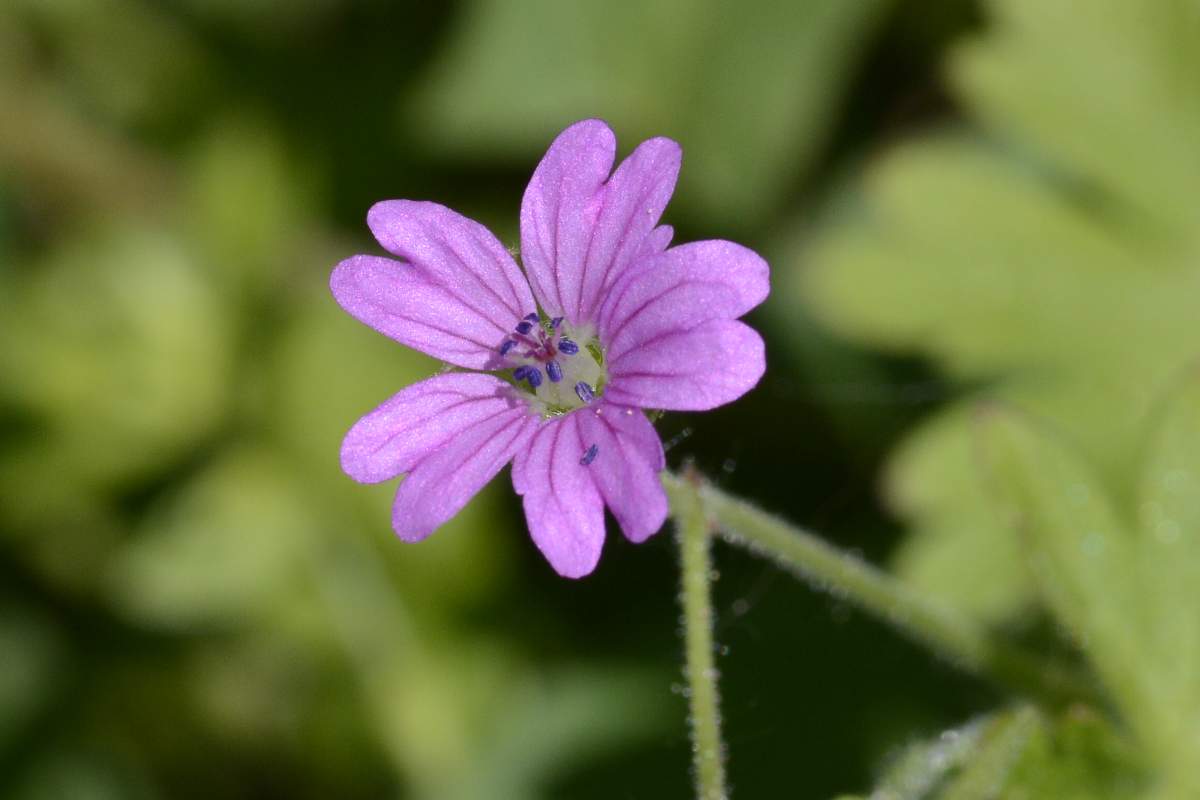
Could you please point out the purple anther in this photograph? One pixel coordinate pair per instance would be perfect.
(531, 317)
(568, 347)
(524, 326)
(554, 371)
(520, 372)
(585, 392)
(534, 376)
(590, 455)
(509, 344)
(554, 323)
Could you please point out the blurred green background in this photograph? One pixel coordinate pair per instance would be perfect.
(956, 200)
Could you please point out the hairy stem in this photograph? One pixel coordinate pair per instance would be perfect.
(693, 530)
(954, 636)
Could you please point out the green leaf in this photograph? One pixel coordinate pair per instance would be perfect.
(967, 558)
(1059, 269)
(1129, 79)
(132, 61)
(222, 550)
(117, 312)
(923, 766)
(245, 209)
(1078, 756)
(999, 750)
(1019, 754)
(30, 670)
(1169, 546)
(1080, 550)
(748, 89)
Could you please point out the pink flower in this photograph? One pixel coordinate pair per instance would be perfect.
(621, 323)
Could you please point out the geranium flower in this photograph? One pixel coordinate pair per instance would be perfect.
(560, 360)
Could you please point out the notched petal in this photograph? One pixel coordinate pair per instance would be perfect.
(580, 229)
(628, 459)
(562, 506)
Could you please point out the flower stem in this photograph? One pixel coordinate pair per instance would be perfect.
(693, 531)
(942, 628)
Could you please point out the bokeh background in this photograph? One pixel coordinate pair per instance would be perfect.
(957, 200)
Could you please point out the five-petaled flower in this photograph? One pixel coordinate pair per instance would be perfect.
(558, 362)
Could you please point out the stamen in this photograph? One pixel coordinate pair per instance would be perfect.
(531, 317)
(590, 455)
(520, 372)
(554, 371)
(584, 392)
(524, 326)
(554, 323)
(568, 347)
(509, 344)
(534, 376)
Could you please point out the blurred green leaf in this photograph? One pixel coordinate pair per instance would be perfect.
(1169, 550)
(1058, 269)
(750, 90)
(246, 208)
(923, 766)
(1019, 754)
(1130, 598)
(28, 671)
(1130, 79)
(116, 313)
(222, 552)
(963, 554)
(557, 722)
(1077, 756)
(1079, 548)
(987, 774)
(129, 59)
(81, 776)
(124, 358)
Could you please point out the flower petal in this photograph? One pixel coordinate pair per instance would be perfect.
(394, 437)
(680, 289)
(396, 300)
(457, 253)
(634, 201)
(579, 233)
(625, 469)
(442, 482)
(691, 370)
(459, 294)
(656, 242)
(562, 507)
(560, 206)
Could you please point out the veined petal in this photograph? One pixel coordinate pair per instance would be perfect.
(656, 242)
(560, 207)
(394, 437)
(634, 201)
(399, 301)
(442, 482)
(457, 253)
(629, 456)
(680, 289)
(456, 297)
(707, 366)
(562, 506)
(579, 233)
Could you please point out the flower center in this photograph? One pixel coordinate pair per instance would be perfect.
(557, 366)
